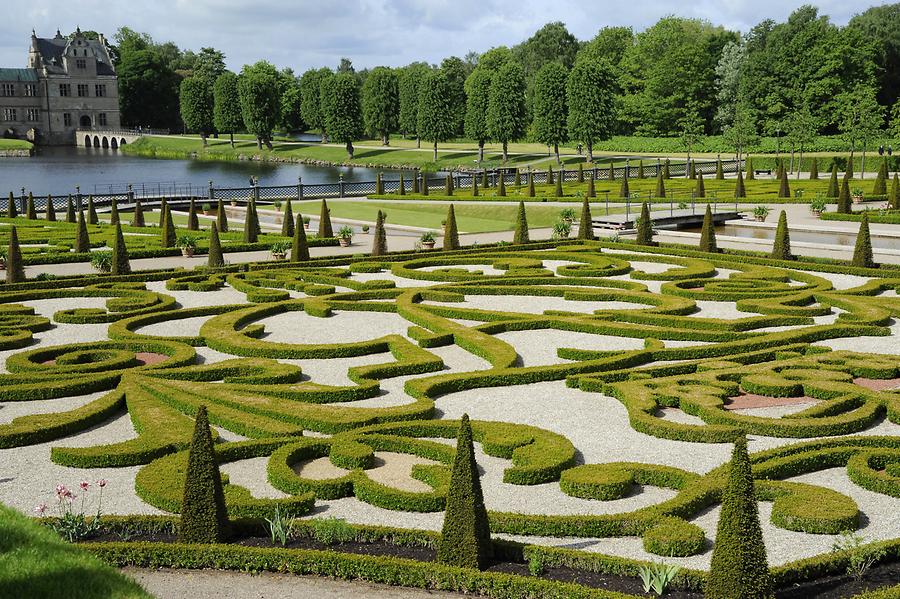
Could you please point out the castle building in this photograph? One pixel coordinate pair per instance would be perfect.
(70, 84)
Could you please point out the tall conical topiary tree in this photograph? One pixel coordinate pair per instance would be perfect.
(50, 214)
(379, 243)
(612, 172)
(251, 224)
(640, 169)
(474, 186)
(521, 233)
(660, 185)
(518, 182)
(451, 233)
(581, 171)
(163, 205)
(204, 517)
(748, 166)
(30, 211)
(401, 186)
(424, 184)
(379, 185)
(415, 180)
(325, 229)
(720, 172)
(466, 536)
(833, 189)
(782, 248)
(843, 203)
(70, 210)
(484, 179)
(558, 190)
(167, 233)
(193, 223)
(879, 188)
(591, 190)
(82, 241)
(708, 233)
(739, 190)
(92, 212)
(699, 188)
(299, 246)
(666, 172)
(530, 192)
(15, 270)
(137, 219)
(862, 252)
(550, 180)
(501, 192)
(120, 264)
(739, 568)
(585, 224)
(814, 169)
(784, 190)
(644, 227)
(113, 212)
(214, 258)
(624, 191)
(894, 196)
(287, 220)
(692, 169)
(448, 186)
(11, 211)
(221, 217)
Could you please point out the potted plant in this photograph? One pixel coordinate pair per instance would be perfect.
(427, 240)
(817, 206)
(279, 249)
(3, 259)
(345, 236)
(567, 215)
(857, 194)
(207, 209)
(760, 213)
(306, 222)
(101, 261)
(187, 244)
(277, 205)
(365, 229)
(561, 229)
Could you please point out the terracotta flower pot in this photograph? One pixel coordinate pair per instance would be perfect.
(344, 241)
(278, 255)
(857, 199)
(428, 245)
(187, 252)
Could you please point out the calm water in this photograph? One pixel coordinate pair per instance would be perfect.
(59, 170)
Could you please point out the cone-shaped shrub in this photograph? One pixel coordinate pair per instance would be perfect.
(581, 172)
(708, 233)
(640, 169)
(466, 536)
(415, 187)
(591, 190)
(521, 234)
(550, 179)
(644, 227)
(739, 190)
(879, 188)
(692, 170)
(475, 186)
(748, 166)
(325, 229)
(193, 223)
(623, 188)
(379, 185)
(221, 217)
(559, 190)
(720, 172)
(700, 188)
(163, 204)
(448, 186)
(251, 225)
(167, 233)
(137, 219)
(51, 210)
(612, 172)
(299, 245)
(666, 173)
(585, 225)
(120, 264)
(11, 211)
(501, 192)
(518, 178)
(214, 258)
(424, 185)
(814, 168)
(204, 517)
(401, 187)
(660, 185)
(833, 189)
(782, 248)
(739, 568)
(92, 212)
(113, 212)
(70, 210)
(379, 243)
(15, 270)
(848, 174)
(287, 220)
(530, 192)
(784, 190)
(843, 203)
(30, 211)
(451, 232)
(484, 179)
(862, 252)
(894, 197)
(82, 241)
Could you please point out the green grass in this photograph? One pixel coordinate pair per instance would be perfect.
(36, 563)
(14, 144)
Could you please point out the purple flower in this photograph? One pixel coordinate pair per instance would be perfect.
(101, 483)
(84, 485)
(62, 491)
(41, 509)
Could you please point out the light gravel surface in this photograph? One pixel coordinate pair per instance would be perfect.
(539, 347)
(532, 304)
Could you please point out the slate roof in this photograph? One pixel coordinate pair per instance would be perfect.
(18, 75)
(52, 49)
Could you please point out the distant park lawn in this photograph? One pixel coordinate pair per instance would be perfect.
(14, 144)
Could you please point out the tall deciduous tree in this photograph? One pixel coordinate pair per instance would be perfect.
(591, 95)
(227, 116)
(290, 115)
(478, 89)
(343, 111)
(260, 100)
(310, 98)
(409, 82)
(456, 71)
(550, 107)
(506, 106)
(860, 120)
(197, 105)
(435, 118)
(148, 90)
(381, 103)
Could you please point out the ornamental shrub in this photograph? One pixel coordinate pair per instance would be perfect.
(550, 180)
(591, 191)
(580, 172)
(484, 179)
(379, 244)
(782, 248)
(113, 212)
(862, 252)
(214, 258)
(720, 172)
(163, 204)
(708, 232)
(833, 189)
(204, 517)
(692, 169)
(640, 169)
(879, 188)
(451, 233)
(51, 210)
(843, 203)
(30, 212)
(814, 169)
(401, 187)
(15, 270)
(287, 220)
(748, 166)
(739, 568)
(11, 211)
(299, 245)
(475, 186)
(221, 217)
(612, 172)
(700, 188)
(193, 224)
(521, 234)
(660, 185)
(518, 178)
(415, 180)
(502, 191)
(92, 212)
(325, 229)
(644, 227)
(666, 173)
(784, 190)
(167, 234)
(585, 225)
(120, 264)
(137, 219)
(624, 192)
(894, 197)
(379, 185)
(251, 224)
(739, 190)
(559, 190)
(466, 536)
(424, 185)
(82, 241)
(448, 186)
(70, 210)
(530, 192)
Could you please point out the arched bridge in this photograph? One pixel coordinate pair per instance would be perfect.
(106, 138)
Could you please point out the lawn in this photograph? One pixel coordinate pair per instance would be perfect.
(36, 563)
(14, 144)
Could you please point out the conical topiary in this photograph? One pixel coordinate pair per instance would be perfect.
(448, 186)
(451, 232)
(666, 173)
(163, 205)
(739, 568)
(474, 186)
(720, 172)
(530, 192)
(92, 212)
(879, 188)
(379, 185)
(501, 191)
(550, 180)
(379, 243)
(782, 248)
(784, 190)
(558, 190)
(644, 227)
(748, 166)
(424, 185)
(299, 245)
(221, 217)
(612, 172)
(862, 252)
(167, 233)
(11, 211)
(518, 182)
(660, 185)
(113, 212)
(251, 224)
(30, 211)
(833, 189)
(484, 179)
(50, 214)
(624, 191)
(204, 517)
(591, 190)
(843, 203)
(739, 190)
(15, 270)
(214, 258)
(70, 210)
(521, 233)
(120, 264)
(708, 233)
(82, 241)
(137, 219)
(585, 225)
(287, 220)
(814, 169)
(894, 196)
(580, 172)
(193, 223)
(325, 229)
(415, 180)
(640, 169)
(401, 186)
(691, 169)
(699, 188)
(465, 540)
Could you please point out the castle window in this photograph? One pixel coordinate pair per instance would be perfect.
(81, 63)
(30, 90)
(33, 115)
(65, 89)
(82, 90)
(102, 119)
(67, 119)
(8, 89)
(9, 114)
(100, 90)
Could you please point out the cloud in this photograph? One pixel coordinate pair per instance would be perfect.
(308, 33)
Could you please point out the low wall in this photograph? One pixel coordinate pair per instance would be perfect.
(23, 153)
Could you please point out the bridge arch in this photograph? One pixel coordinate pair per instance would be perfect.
(87, 141)
(104, 143)
(96, 141)
(123, 142)
(114, 143)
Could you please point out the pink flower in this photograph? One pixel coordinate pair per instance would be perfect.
(84, 485)
(71, 497)
(41, 509)
(101, 483)
(62, 491)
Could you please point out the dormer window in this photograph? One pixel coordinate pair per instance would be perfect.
(80, 63)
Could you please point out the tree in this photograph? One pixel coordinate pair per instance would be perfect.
(93, 219)
(591, 95)
(50, 214)
(521, 232)
(862, 251)
(739, 568)
(451, 234)
(728, 78)
(197, 106)
(343, 111)
(214, 258)
(137, 219)
(478, 88)
(204, 517)
(860, 120)
(610, 44)
(880, 25)
(585, 223)
(30, 212)
(310, 98)
(802, 128)
(193, 224)
(221, 217)
(456, 72)
(435, 117)
(843, 202)
(167, 230)
(379, 243)
(644, 226)
(551, 43)
(251, 223)
(325, 229)
(742, 132)
(148, 90)
(550, 108)
(506, 117)
(408, 85)
(82, 241)
(15, 270)
(260, 98)
(300, 246)
(381, 103)
(287, 220)
(782, 248)
(120, 264)
(708, 233)
(465, 539)
(227, 116)
(290, 115)
(690, 128)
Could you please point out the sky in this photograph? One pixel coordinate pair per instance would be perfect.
(302, 34)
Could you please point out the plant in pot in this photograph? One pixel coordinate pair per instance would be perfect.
(345, 236)
(760, 213)
(817, 206)
(279, 249)
(102, 261)
(3, 259)
(365, 229)
(561, 229)
(187, 244)
(207, 209)
(427, 240)
(567, 215)
(857, 194)
(306, 222)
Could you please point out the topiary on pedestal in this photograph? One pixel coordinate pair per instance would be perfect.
(214, 258)
(120, 264)
(585, 225)
(379, 243)
(862, 252)
(521, 233)
(299, 245)
(82, 241)
(204, 517)
(465, 540)
(782, 248)
(451, 233)
(15, 270)
(708, 233)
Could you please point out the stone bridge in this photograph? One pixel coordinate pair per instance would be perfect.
(106, 138)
